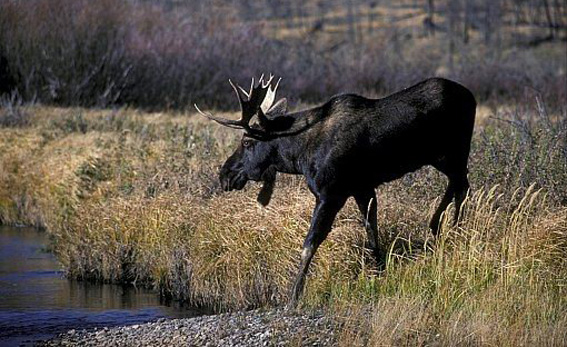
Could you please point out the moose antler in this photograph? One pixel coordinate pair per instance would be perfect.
(255, 102)
(270, 95)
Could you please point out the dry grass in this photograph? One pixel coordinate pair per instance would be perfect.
(486, 283)
(133, 197)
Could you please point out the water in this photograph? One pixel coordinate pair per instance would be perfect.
(37, 302)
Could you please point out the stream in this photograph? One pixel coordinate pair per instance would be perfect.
(37, 302)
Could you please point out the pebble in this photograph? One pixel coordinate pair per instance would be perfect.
(275, 327)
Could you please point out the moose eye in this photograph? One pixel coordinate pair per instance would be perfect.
(246, 143)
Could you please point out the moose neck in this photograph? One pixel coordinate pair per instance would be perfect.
(291, 153)
(288, 156)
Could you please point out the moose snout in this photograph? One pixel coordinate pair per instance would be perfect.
(224, 185)
(232, 180)
(225, 177)
(225, 181)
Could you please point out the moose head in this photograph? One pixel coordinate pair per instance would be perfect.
(252, 158)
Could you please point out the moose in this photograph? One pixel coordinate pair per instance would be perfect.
(348, 146)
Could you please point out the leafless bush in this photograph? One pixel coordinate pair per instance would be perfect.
(523, 146)
(11, 113)
(66, 52)
(509, 76)
(105, 53)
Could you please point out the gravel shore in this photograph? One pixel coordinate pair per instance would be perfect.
(250, 328)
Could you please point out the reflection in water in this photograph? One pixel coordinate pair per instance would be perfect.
(37, 302)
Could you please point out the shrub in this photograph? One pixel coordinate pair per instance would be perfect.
(12, 114)
(102, 53)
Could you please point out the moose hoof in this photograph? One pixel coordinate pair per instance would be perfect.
(378, 256)
(291, 305)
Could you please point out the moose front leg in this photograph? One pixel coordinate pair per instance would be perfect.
(366, 202)
(321, 222)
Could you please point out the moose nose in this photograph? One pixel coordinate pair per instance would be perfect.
(224, 181)
(225, 185)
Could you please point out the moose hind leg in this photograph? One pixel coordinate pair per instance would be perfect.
(455, 168)
(461, 190)
(321, 223)
(368, 207)
(445, 201)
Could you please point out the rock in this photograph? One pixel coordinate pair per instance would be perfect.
(274, 327)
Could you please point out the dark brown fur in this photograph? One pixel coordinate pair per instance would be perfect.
(351, 144)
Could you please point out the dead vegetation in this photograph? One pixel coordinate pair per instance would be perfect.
(133, 197)
(171, 54)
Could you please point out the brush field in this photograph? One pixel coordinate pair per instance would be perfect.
(132, 197)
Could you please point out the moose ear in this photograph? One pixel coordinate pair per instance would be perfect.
(279, 109)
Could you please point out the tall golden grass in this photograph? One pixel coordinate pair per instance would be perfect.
(498, 279)
(132, 197)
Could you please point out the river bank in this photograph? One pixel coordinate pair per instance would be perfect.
(276, 327)
(37, 302)
(129, 197)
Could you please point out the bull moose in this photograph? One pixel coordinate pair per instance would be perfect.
(348, 146)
